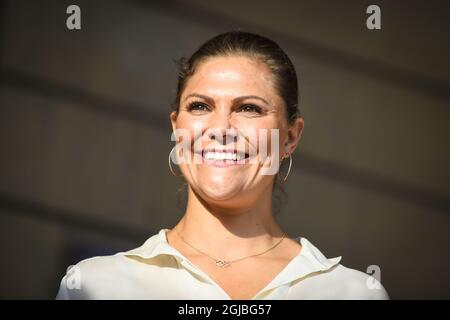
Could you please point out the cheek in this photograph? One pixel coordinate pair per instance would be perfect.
(189, 127)
(186, 121)
(268, 132)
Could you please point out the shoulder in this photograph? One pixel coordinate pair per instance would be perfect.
(359, 285)
(329, 279)
(343, 283)
(87, 278)
(122, 275)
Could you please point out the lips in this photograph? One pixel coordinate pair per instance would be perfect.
(223, 158)
(223, 155)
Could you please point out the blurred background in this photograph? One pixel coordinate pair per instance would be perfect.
(84, 132)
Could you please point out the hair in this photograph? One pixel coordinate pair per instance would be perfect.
(259, 48)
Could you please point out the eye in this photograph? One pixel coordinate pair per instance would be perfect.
(250, 108)
(197, 106)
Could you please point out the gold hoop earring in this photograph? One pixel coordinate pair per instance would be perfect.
(289, 169)
(170, 164)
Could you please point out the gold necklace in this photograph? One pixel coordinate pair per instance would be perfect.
(226, 263)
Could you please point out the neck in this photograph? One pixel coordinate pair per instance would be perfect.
(230, 231)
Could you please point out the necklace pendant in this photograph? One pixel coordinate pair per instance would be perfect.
(222, 263)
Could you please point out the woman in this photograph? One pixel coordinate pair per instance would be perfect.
(235, 119)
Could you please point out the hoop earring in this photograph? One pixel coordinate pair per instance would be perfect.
(289, 169)
(170, 164)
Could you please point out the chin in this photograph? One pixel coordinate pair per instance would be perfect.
(210, 193)
(220, 196)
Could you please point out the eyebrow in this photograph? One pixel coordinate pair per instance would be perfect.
(235, 100)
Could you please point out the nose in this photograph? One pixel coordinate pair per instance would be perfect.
(221, 129)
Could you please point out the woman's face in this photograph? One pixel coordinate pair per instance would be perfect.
(226, 102)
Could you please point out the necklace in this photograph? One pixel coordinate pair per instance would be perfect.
(226, 263)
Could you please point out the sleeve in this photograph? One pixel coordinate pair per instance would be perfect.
(357, 285)
(379, 293)
(62, 292)
(70, 286)
(366, 287)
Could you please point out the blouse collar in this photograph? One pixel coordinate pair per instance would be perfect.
(308, 261)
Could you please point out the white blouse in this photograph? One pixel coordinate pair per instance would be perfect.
(156, 270)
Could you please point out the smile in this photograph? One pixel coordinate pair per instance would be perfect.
(223, 158)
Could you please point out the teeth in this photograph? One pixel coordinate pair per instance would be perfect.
(223, 156)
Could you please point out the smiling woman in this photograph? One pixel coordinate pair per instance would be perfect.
(235, 113)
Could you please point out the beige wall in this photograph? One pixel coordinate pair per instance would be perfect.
(84, 132)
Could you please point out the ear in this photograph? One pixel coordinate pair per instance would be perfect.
(173, 119)
(294, 134)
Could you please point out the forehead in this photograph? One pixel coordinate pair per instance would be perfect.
(232, 76)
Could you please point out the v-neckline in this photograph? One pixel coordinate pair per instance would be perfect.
(190, 264)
